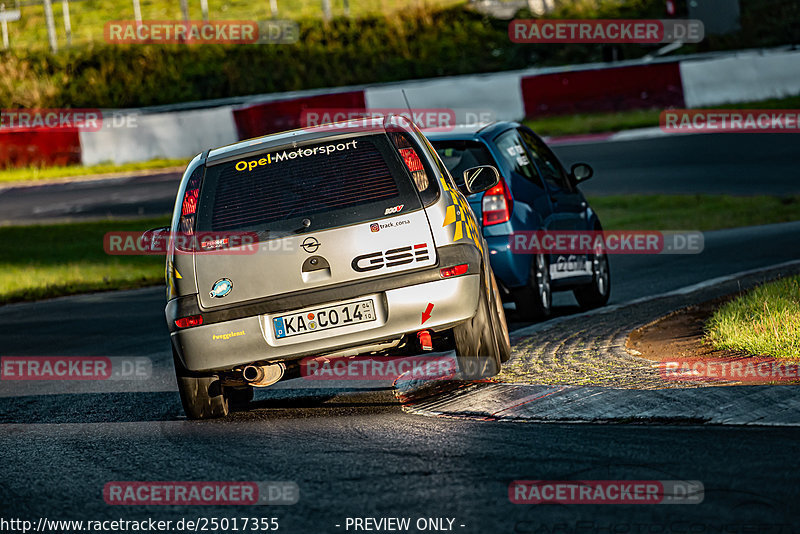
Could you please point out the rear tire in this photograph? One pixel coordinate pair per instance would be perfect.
(202, 396)
(596, 293)
(500, 324)
(535, 301)
(477, 352)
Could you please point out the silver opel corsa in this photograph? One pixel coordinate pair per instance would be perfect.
(339, 240)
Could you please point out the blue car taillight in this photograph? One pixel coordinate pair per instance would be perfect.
(497, 204)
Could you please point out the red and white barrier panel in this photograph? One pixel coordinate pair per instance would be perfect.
(691, 83)
(282, 115)
(612, 89)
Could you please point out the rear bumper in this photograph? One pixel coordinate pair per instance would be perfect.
(233, 343)
(240, 334)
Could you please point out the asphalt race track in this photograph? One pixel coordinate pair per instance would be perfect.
(737, 164)
(741, 164)
(130, 197)
(351, 449)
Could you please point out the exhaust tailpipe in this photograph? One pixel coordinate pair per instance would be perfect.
(263, 375)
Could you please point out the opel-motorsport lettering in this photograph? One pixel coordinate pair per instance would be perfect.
(294, 154)
(390, 258)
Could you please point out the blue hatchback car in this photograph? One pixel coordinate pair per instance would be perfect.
(535, 193)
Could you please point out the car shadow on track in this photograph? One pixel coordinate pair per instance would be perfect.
(166, 406)
(291, 400)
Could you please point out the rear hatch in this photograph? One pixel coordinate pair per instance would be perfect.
(324, 212)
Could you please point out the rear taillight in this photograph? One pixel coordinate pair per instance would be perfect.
(189, 206)
(187, 322)
(188, 211)
(496, 204)
(458, 270)
(411, 159)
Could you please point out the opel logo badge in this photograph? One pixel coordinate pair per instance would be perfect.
(310, 244)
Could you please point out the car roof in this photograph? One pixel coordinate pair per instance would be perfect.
(472, 131)
(335, 130)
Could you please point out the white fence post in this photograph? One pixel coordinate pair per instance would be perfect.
(51, 26)
(4, 24)
(67, 22)
(137, 12)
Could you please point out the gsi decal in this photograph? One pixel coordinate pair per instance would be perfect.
(390, 258)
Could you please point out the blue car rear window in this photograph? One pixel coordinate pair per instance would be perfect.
(459, 156)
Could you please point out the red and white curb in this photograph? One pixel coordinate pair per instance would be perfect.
(766, 405)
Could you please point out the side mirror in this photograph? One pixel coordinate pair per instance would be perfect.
(481, 178)
(156, 239)
(581, 172)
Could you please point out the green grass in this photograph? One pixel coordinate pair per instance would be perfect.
(584, 123)
(53, 260)
(692, 212)
(49, 173)
(764, 322)
(88, 17)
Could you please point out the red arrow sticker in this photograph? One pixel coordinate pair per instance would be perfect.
(427, 313)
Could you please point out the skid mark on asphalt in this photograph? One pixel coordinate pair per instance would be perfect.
(165, 406)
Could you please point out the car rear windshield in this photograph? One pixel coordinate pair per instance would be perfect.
(332, 183)
(459, 156)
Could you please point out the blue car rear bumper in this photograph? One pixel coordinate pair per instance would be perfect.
(511, 269)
